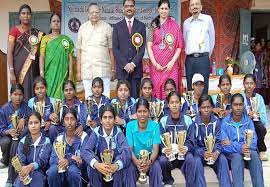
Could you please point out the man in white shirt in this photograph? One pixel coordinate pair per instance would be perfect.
(199, 37)
(95, 57)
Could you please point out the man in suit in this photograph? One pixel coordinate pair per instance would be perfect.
(129, 59)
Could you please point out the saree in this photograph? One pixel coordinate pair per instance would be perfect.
(26, 68)
(56, 65)
(163, 56)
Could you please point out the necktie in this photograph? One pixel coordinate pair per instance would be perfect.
(129, 26)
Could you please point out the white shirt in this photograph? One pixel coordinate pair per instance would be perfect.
(199, 34)
(132, 20)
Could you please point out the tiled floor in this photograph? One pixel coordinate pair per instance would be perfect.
(210, 175)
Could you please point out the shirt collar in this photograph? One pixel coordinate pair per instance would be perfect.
(200, 17)
(136, 128)
(105, 134)
(132, 20)
(213, 120)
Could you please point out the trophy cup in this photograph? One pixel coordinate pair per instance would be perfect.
(189, 96)
(158, 107)
(16, 163)
(60, 150)
(90, 106)
(143, 158)
(181, 138)
(107, 157)
(14, 118)
(40, 107)
(221, 98)
(117, 107)
(248, 138)
(57, 107)
(254, 106)
(166, 139)
(210, 143)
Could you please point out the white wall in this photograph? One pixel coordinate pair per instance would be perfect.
(13, 6)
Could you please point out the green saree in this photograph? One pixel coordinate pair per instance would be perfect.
(57, 64)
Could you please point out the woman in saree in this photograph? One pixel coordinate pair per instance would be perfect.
(22, 52)
(164, 45)
(56, 54)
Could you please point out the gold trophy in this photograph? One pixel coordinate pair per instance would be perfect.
(117, 107)
(57, 107)
(181, 138)
(16, 163)
(189, 96)
(221, 98)
(143, 158)
(158, 108)
(166, 139)
(210, 143)
(254, 106)
(90, 106)
(152, 109)
(60, 150)
(14, 118)
(40, 108)
(107, 157)
(248, 138)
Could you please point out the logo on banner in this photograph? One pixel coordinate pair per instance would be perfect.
(74, 25)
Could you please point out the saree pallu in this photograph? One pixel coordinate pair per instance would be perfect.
(26, 69)
(163, 56)
(57, 65)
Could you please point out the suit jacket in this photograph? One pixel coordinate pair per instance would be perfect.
(123, 50)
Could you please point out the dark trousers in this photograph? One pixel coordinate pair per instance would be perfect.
(135, 86)
(197, 65)
(261, 132)
(5, 143)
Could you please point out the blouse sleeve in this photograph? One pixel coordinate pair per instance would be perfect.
(43, 44)
(180, 39)
(13, 34)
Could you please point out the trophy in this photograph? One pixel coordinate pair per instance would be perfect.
(143, 158)
(156, 108)
(57, 107)
(181, 138)
(60, 149)
(40, 107)
(248, 138)
(210, 143)
(90, 106)
(14, 118)
(107, 157)
(189, 96)
(16, 163)
(221, 98)
(254, 106)
(166, 139)
(152, 109)
(117, 107)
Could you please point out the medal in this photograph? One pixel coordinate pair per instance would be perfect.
(33, 40)
(137, 41)
(169, 40)
(65, 43)
(161, 46)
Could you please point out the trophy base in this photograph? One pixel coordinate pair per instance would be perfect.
(171, 157)
(180, 157)
(210, 162)
(61, 170)
(27, 180)
(246, 158)
(255, 119)
(142, 179)
(15, 138)
(108, 178)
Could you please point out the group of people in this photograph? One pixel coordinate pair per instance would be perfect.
(109, 53)
(129, 128)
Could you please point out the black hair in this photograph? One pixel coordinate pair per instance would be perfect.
(28, 138)
(174, 93)
(107, 107)
(91, 4)
(41, 80)
(146, 80)
(69, 82)
(143, 102)
(170, 81)
(54, 14)
(120, 82)
(15, 87)
(224, 76)
(23, 7)
(71, 111)
(156, 21)
(98, 80)
(237, 95)
(204, 98)
(124, 1)
(250, 76)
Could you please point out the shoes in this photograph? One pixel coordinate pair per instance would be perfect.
(263, 156)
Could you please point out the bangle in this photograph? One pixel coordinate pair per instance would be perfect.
(11, 68)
